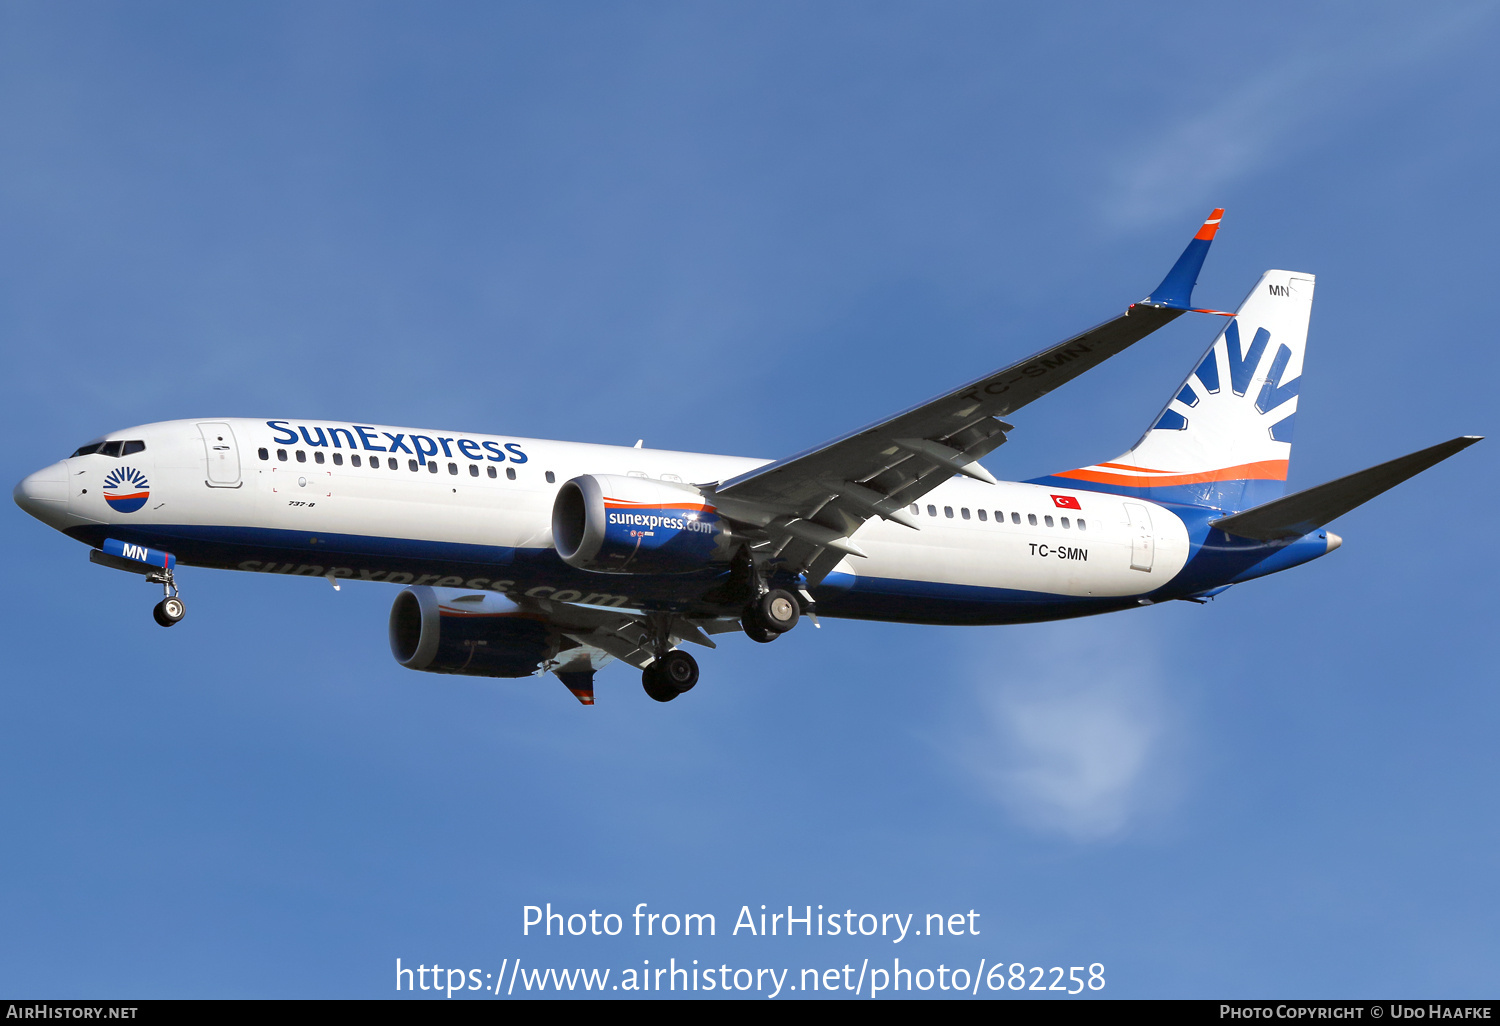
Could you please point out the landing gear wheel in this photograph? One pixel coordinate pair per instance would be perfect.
(168, 611)
(777, 610)
(677, 670)
(670, 676)
(752, 626)
(655, 688)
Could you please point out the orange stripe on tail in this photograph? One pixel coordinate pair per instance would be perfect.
(1265, 470)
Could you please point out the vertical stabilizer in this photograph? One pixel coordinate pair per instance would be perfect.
(1225, 438)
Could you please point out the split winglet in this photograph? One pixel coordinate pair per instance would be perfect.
(1176, 290)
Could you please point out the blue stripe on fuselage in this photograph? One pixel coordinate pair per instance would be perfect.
(1216, 559)
(930, 602)
(450, 564)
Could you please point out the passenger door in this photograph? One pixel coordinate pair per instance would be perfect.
(223, 455)
(1142, 537)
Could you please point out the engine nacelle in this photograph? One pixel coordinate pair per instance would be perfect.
(634, 525)
(477, 634)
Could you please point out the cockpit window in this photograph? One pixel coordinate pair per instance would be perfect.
(116, 448)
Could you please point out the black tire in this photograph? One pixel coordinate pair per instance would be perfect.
(677, 670)
(656, 689)
(168, 611)
(778, 610)
(753, 628)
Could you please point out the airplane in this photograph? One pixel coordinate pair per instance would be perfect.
(525, 556)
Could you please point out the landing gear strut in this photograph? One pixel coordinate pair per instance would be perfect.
(171, 608)
(670, 675)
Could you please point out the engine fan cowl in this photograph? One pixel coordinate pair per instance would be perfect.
(634, 525)
(476, 635)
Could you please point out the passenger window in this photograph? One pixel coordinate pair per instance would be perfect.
(1015, 518)
(263, 453)
(931, 510)
(1049, 521)
(301, 456)
(552, 478)
(413, 465)
(317, 457)
(1065, 523)
(491, 471)
(281, 455)
(390, 461)
(354, 459)
(474, 470)
(432, 467)
(1081, 525)
(999, 517)
(948, 512)
(510, 472)
(914, 507)
(453, 468)
(1031, 519)
(338, 459)
(133, 447)
(965, 512)
(983, 516)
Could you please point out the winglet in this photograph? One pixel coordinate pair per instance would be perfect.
(1176, 290)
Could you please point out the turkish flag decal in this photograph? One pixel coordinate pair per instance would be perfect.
(1066, 502)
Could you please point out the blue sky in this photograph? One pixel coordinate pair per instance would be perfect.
(744, 229)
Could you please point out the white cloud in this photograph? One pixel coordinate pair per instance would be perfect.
(1251, 121)
(1069, 728)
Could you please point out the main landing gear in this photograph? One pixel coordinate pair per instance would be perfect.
(670, 675)
(171, 608)
(771, 615)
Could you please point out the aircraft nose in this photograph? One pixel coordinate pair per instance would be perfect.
(44, 494)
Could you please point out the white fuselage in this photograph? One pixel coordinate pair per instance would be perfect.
(476, 513)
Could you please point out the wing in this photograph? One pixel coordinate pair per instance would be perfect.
(805, 507)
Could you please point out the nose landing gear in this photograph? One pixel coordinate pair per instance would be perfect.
(168, 611)
(171, 608)
(155, 566)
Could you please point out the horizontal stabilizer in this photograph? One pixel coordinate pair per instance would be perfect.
(1296, 515)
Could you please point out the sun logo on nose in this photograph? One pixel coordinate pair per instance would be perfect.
(126, 489)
